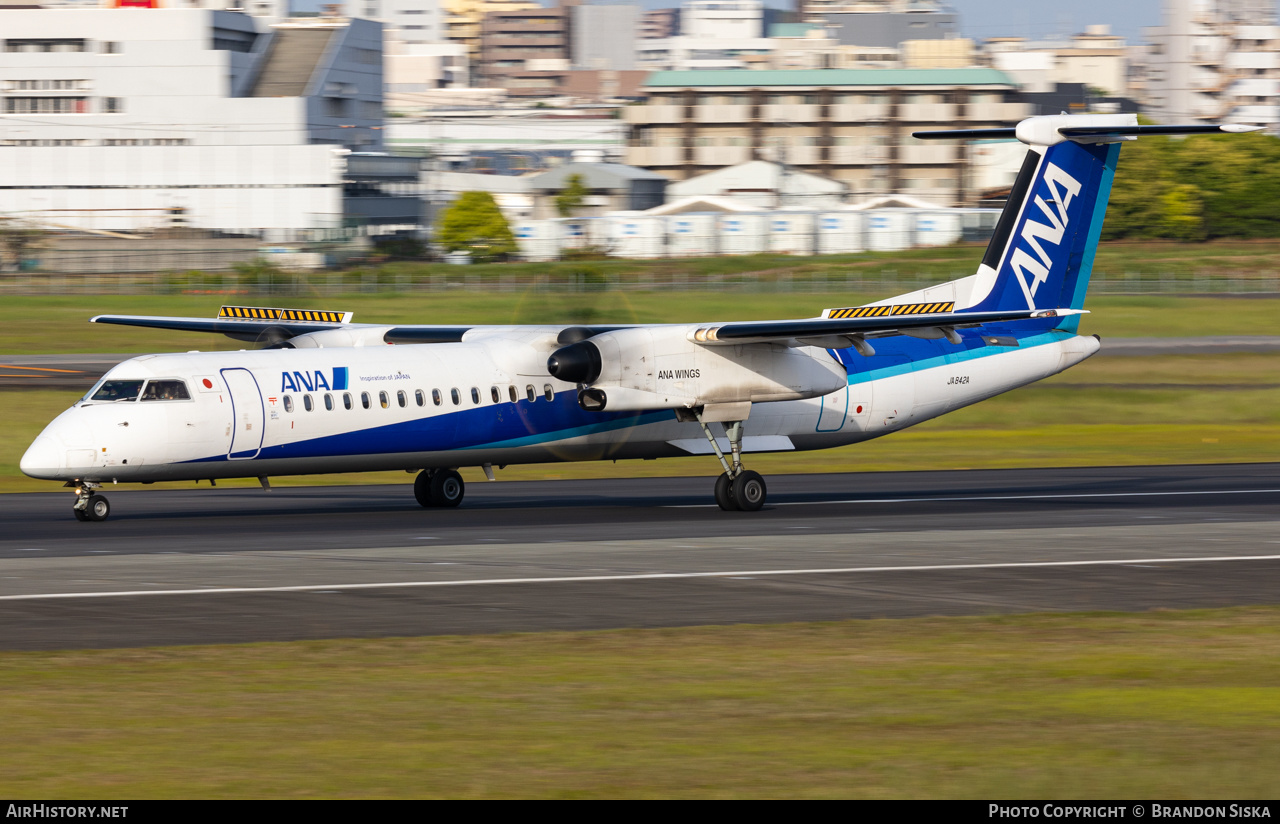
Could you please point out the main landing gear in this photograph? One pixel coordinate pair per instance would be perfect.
(88, 506)
(737, 489)
(438, 487)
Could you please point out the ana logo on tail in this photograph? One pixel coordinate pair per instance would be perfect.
(1062, 188)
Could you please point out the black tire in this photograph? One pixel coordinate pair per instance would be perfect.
(724, 493)
(749, 491)
(422, 488)
(447, 488)
(80, 514)
(98, 509)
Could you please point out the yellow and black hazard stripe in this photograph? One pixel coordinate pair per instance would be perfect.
(262, 313)
(312, 315)
(884, 311)
(249, 313)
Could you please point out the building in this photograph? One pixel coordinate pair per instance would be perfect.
(1215, 60)
(604, 37)
(412, 71)
(722, 19)
(659, 24)
(853, 126)
(529, 143)
(526, 51)
(868, 25)
(1096, 58)
(412, 22)
(949, 53)
(463, 20)
(763, 184)
(118, 117)
(714, 34)
(611, 187)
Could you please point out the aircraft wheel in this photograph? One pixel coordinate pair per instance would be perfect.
(724, 493)
(447, 488)
(749, 491)
(422, 488)
(98, 508)
(80, 514)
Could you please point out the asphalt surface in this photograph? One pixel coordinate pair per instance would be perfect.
(82, 371)
(230, 565)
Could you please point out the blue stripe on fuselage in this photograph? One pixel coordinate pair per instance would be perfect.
(901, 354)
(498, 425)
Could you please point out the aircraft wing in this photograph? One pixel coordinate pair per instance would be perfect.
(275, 325)
(840, 332)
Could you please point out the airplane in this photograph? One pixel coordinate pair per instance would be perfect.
(329, 395)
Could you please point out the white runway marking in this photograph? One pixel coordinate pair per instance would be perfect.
(651, 576)
(1003, 497)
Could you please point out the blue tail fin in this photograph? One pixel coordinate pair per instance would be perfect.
(1041, 254)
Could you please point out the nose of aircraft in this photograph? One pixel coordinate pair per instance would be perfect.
(43, 459)
(63, 451)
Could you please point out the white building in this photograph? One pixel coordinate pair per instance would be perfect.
(761, 184)
(1215, 60)
(715, 34)
(113, 118)
(1096, 58)
(722, 19)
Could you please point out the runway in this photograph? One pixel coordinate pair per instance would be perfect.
(230, 565)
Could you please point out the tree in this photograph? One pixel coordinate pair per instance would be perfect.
(18, 241)
(473, 223)
(572, 196)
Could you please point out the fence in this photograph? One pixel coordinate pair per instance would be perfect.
(326, 284)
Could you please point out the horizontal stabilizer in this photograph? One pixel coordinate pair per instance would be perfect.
(1050, 129)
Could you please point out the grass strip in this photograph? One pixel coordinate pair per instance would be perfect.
(1156, 705)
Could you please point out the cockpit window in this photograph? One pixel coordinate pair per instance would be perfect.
(109, 391)
(165, 391)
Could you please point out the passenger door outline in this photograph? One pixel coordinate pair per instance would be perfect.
(247, 410)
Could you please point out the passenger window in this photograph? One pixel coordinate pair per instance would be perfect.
(306, 402)
(328, 401)
(384, 400)
(288, 403)
(495, 394)
(117, 391)
(419, 397)
(435, 397)
(364, 399)
(346, 400)
(548, 391)
(165, 391)
(528, 390)
(457, 399)
(401, 399)
(511, 390)
(475, 395)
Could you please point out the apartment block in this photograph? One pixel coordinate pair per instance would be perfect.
(526, 51)
(852, 125)
(1215, 60)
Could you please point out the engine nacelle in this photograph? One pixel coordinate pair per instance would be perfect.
(660, 368)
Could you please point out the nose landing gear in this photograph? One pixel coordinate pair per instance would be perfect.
(737, 489)
(88, 506)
